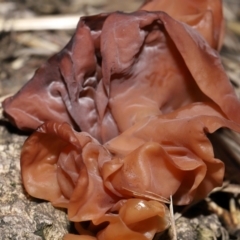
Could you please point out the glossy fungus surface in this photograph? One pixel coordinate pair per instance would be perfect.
(122, 63)
(122, 116)
(205, 16)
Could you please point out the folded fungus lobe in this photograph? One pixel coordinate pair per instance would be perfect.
(122, 115)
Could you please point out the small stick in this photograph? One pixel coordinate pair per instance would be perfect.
(60, 22)
(5, 96)
(173, 225)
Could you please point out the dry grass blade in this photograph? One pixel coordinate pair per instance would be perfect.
(235, 213)
(172, 219)
(234, 26)
(1, 108)
(230, 218)
(4, 97)
(148, 195)
(231, 140)
(60, 22)
(34, 41)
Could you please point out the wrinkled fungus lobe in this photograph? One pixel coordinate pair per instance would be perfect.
(96, 75)
(203, 15)
(124, 111)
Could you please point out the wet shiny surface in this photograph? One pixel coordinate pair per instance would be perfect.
(145, 90)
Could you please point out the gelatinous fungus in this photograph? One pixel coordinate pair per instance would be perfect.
(124, 111)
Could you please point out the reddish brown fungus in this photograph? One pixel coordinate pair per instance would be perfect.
(136, 219)
(145, 89)
(65, 167)
(131, 63)
(203, 15)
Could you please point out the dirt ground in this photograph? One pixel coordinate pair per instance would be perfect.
(22, 52)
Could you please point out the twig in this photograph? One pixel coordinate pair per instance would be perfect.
(3, 97)
(34, 41)
(60, 22)
(234, 26)
(173, 225)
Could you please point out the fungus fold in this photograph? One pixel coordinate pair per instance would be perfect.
(122, 116)
(132, 63)
(205, 16)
